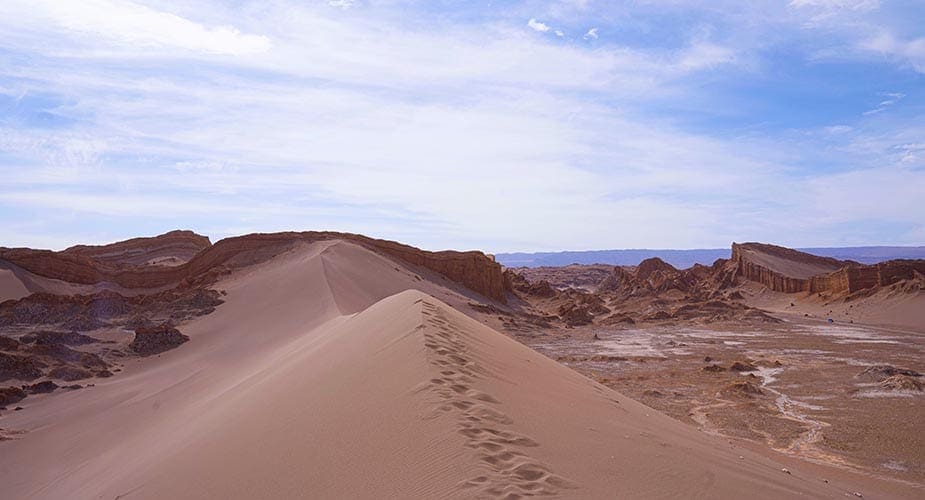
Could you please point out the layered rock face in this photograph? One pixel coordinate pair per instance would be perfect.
(778, 268)
(169, 249)
(857, 277)
(789, 271)
(91, 265)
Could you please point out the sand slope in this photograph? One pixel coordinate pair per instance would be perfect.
(11, 287)
(332, 372)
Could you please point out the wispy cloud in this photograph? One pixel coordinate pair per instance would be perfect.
(889, 99)
(911, 52)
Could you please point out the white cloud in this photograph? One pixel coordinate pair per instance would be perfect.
(704, 55)
(910, 52)
(560, 33)
(537, 26)
(591, 34)
(342, 4)
(127, 24)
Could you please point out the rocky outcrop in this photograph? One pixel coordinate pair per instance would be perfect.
(10, 395)
(742, 366)
(584, 276)
(472, 269)
(878, 373)
(156, 339)
(778, 268)
(619, 280)
(20, 367)
(517, 282)
(903, 383)
(743, 389)
(653, 266)
(789, 271)
(853, 278)
(168, 249)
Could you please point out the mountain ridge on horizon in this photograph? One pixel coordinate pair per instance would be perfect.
(684, 258)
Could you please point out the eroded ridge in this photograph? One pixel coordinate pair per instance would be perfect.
(510, 472)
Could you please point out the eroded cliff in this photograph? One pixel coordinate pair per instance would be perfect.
(92, 265)
(790, 271)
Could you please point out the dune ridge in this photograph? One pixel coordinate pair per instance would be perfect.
(332, 371)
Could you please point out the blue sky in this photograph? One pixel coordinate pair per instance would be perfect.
(499, 125)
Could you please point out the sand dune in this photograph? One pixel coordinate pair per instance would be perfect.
(334, 372)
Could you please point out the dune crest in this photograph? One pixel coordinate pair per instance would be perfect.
(328, 374)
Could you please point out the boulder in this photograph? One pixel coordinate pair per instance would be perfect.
(41, 387)
(742, 366)
(10, 395)
(879, 373)
(14, 366)
(157, 339)
(903, 383)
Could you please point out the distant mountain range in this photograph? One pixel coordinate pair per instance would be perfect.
(686, 258)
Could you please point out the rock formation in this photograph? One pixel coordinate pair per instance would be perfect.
(156, 339)
(92, 265)
(778, 268)
(173, 248)
(789, 271)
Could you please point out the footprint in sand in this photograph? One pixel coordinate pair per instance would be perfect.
(513, 473)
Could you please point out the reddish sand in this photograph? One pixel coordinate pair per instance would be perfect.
(883, 308)
(334, 372)
(11, 287)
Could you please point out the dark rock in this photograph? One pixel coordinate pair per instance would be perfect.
(156, 340)
(742, 366)
(903, 383)
(8, 344)
(53, 338)
(69, 373)
(41, 387)
(19, 367)
(138, 322)
(575, 314)
(658, 316)
(742, 389)
(879, 373)
(65, 354)
(10, 395)
(619, 318)
(84, 323)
